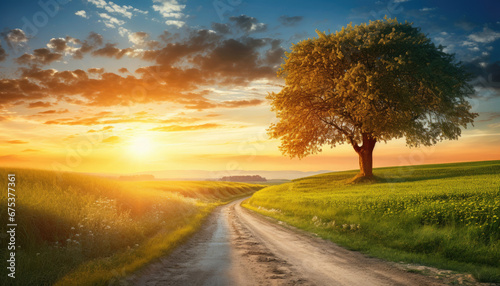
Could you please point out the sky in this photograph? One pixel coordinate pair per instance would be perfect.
(134, 86)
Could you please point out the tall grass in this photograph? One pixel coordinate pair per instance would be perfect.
(81, 230)
(439, 215)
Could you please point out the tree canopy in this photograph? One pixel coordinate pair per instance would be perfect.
(369, 83)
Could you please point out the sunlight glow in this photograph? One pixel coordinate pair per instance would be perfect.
(141, 146)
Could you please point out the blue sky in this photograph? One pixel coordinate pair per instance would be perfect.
(69, 68)
(459, 19)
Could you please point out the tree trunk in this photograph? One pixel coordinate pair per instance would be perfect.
(365, 163)
(365, 153)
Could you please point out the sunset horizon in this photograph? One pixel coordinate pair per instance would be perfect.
(131, 89)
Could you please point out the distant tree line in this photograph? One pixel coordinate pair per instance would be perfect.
(254, 178)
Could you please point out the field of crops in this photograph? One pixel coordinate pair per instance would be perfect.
(81, 230)
(440, 215)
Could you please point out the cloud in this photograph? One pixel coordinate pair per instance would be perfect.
(241, 103)
(15, 38)
(75, 47)
(58, 44)
(490, 116)
(138, 38)
(221, 28)
(141, 39)
(290, 21)
(197, 42)
(39, 57)
(122, 10)
(486, 36)
(107, 89)
(82, 14)
(110, 21)
(275, 53)
(112, 140)
(486, 75)
(98, 3)
(180, 71)
(248, 24)
(106, 128)
(177, 128)
(3, 54)
(110, 50)
(53, 111)
(94, 39)
(115, 8)
(123, 32)
(464, 24)
(30, 150)
(235, 61)
(95, 70)
(427, 9)
(39, 104)
(138, 117)
(177, 23)
(169, 8)
(17, 90)
(16, 142)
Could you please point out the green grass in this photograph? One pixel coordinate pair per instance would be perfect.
(446, 216)
(81, 230)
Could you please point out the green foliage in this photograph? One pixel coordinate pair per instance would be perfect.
(82, 230)
(441, 215)
(383, 79)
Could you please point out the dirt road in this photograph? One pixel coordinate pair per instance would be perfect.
(238, 247)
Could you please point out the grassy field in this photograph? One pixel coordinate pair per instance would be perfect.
(445, 216)
(82, 230)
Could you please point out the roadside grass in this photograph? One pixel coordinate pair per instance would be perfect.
(81, 230)
(446, 216)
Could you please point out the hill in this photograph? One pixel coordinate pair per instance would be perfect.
(81, 230)
(446, 215)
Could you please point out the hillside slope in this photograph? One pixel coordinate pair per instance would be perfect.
(440, 215)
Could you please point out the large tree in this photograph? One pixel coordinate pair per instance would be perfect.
(366, 84)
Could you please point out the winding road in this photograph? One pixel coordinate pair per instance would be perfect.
(238, 247)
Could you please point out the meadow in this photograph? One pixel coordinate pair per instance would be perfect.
(80, 230)
(446, 216)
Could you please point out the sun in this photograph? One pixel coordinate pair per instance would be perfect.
(141, 146)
